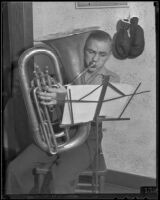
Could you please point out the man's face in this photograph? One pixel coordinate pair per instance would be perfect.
(98, 52)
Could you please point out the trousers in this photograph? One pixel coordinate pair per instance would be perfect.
(65, 172)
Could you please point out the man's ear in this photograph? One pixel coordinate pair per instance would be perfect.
(109, 55)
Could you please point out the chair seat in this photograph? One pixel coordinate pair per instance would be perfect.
(41, 168)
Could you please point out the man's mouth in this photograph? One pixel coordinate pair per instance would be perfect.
(92, 65)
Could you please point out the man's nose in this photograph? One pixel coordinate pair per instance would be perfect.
(95, 57)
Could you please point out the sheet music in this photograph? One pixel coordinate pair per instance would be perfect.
(84, 111)
(114, 108)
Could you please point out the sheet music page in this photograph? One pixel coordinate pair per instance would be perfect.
(84, 111)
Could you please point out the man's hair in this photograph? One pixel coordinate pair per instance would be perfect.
(99, 35)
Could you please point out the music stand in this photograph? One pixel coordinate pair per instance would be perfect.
(98, 119)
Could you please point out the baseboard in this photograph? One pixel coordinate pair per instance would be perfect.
(128, 180)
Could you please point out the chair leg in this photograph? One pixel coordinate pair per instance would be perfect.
(38, 180)
(39, 176)
(95, 183)
(101, 184)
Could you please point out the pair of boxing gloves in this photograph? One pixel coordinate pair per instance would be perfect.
(128, 42)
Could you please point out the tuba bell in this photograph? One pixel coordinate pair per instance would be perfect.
(40, 116)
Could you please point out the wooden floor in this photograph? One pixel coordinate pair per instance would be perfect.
(110, 188)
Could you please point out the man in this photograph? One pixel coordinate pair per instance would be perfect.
(98, 50)
(66, 169)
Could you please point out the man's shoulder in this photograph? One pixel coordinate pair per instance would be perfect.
(113, 76)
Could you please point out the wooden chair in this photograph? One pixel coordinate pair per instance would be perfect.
(91, 180)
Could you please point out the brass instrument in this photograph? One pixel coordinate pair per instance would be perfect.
(40, 116)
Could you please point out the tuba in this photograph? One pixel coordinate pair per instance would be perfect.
(41, 116)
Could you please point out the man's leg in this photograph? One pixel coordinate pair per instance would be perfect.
(70, 164)
(20, 178)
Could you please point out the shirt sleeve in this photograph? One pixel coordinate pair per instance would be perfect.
(113, 76)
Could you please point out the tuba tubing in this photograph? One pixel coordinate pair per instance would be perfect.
(83, 130)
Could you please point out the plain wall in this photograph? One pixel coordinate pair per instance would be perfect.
(128, 146)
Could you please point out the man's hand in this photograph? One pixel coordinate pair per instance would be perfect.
(53, 96)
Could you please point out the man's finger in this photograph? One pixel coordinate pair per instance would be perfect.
(61, 89)
(54, 89)
(61, 86)
(53, 102)
(45, 94)
(45, 98)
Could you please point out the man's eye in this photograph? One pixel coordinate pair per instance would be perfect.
(90, 51)
(103, 54)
